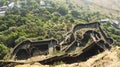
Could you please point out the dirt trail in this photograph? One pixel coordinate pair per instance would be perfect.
(106, 59)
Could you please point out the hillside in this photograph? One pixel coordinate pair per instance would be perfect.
(107, 7)
(54, 19)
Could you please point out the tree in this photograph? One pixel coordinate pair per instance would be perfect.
(3, 50)
(62, 10)
(75, 14)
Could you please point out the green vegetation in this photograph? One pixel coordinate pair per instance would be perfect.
(3, 50)
(36, 22)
